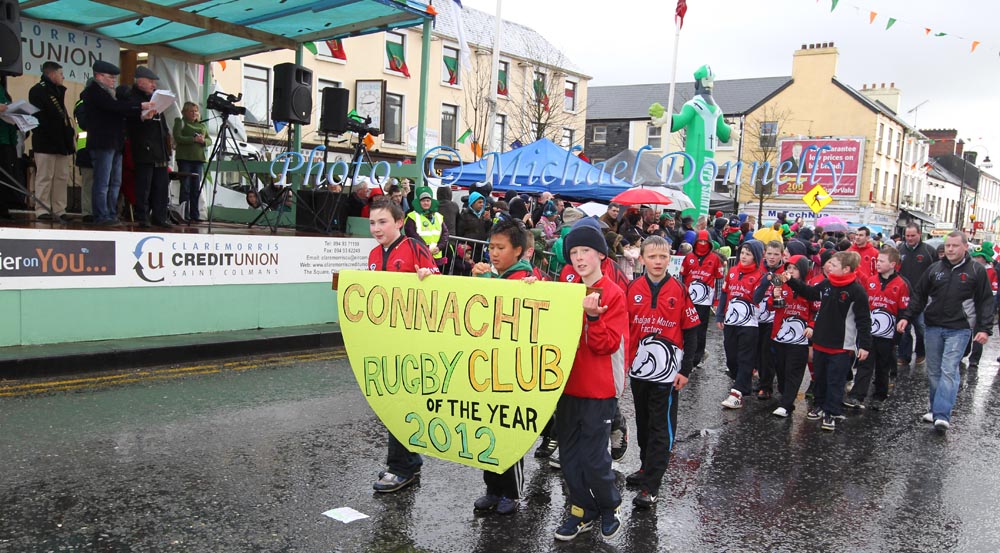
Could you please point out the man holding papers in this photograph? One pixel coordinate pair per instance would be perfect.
(150, 142)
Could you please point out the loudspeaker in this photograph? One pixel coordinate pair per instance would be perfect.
(292, 94)
(10, 38)
(333, 118)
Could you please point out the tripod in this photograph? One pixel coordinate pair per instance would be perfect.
(360, 156)
(221, 145)
(8, 181)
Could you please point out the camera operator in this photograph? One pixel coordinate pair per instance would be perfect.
(151, 147)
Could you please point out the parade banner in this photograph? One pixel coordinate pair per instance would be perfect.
(463, 369)
(75, 50)
(37, 259)
(833, 163)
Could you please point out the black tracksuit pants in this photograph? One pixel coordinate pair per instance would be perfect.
(705, 314)
(790, 364)
(508, 484)
(765, 357)
(584, 428)
(879, 362)
(740, 343)
(655, 429)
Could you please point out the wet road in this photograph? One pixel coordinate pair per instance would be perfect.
(245, 456)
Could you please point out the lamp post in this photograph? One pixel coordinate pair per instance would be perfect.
(968, 156)
(986, 164)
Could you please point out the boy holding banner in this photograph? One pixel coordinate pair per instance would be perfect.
(508, 243)
(663, 330)
(588, 403)
(397, 253)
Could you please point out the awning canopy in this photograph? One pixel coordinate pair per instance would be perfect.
(202, 31)
(921, 215)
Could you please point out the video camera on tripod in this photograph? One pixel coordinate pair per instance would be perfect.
(226, 103)
(361, 126)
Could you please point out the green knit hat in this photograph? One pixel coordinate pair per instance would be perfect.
(984, 250)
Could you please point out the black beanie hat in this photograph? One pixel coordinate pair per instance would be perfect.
(584, 235)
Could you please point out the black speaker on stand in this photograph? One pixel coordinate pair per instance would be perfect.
(292, 94)
(333, 117)
(10, 38)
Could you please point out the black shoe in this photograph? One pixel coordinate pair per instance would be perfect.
(554, 463)
(546, 448)
(163, 224)
(644, 500)
(852, 403)
(619, 442)
(876, 405)
(635, 478)
(145, 224)
(88, 219)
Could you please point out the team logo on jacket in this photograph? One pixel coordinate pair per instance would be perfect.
(792, 331)
(700, 292)
(920, 258)
(371, 267)
(883, 323)
(871, 285)
(963, 277)
(844, 296)
(656, 360)
(740, 312)
(672, 303)
(637, 298)
(570, 278)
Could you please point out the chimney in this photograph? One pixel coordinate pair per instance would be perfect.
(815, 63)
(890, 96)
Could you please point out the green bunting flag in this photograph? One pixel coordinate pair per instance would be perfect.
(833, 4)
(310, 46)
(892, 21)
(465, 136)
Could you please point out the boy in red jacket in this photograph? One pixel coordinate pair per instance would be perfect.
(588, 403)
(793, 327)
(700, 270)
(737, 318)
(663, 330)
(397, 253)
(888, 295)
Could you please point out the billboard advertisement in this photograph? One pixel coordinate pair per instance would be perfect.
(834, 163)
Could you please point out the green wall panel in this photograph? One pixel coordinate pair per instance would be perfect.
(10, 320)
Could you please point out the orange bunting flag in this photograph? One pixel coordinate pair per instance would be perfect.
(369, 141)
(927, 30)
(477, 150)
(871, 17)
(222, 63)
(975, 43)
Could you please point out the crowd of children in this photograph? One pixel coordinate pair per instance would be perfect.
(784, 306)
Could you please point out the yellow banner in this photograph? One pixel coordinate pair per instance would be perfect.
(459, 368)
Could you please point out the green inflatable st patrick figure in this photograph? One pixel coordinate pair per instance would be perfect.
(705, 127)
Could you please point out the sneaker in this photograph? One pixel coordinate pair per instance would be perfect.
(390, 482)
(764, 394)
(734, 400)
(573, 527)
(942, 425)
(487, 502)
(506, 506)
(644, 500)
(876, 405)
(902, 363)
(828, 423)
(840, 417)
(619, 442)
(635, 478)
(815, 414)
(554, 462)
(780, 412)
(852, 403)
(611, 523)
(928, 417)
(920, 360)
(546, 448)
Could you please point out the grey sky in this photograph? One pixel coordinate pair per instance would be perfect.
(631, 41)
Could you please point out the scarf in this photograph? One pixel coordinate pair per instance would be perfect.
(840, 281)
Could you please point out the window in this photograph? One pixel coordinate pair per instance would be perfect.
(449, 125)
(878, 138)
(256, 89)
(569, 98)
(318, 103)
(450, 71)
(892, 191)
(600, 134)
(395, 53)
(654, 136)
(540, 90)
(567, 138)
(899, 145)
(500, 134)
(885, 185)
(503, 68)
(393, 131)
(768, 134)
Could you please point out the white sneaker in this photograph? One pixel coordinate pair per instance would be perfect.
(928, 417)
(780, 412)
(941, 425)
(734, 400)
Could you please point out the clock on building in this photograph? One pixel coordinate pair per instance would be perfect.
(370, 100)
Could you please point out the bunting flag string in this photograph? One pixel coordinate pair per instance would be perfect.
(891, 21)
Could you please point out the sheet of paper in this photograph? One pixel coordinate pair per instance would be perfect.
(345, 514)
(21, 107)
(23, 122)
(162, 99)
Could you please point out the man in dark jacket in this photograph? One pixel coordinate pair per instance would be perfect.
(916, 256)
(149, 138)
(956, 299)
(106, 139)
(53, 141)
(447, 207)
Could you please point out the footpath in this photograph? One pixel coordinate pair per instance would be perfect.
(20, 362)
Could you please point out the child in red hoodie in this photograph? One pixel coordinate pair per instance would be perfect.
(737, 318)
(588, 403)
(793, 327)
(700, 270)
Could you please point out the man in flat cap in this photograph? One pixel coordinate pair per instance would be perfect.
(150, 142)
(106, 139)
(53, 140)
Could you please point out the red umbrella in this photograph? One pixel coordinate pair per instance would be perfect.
(636, 196)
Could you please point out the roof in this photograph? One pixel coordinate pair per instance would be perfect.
(875, 105)
(937, 171)
(734, 96)
(209, 30)
(516, 40)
